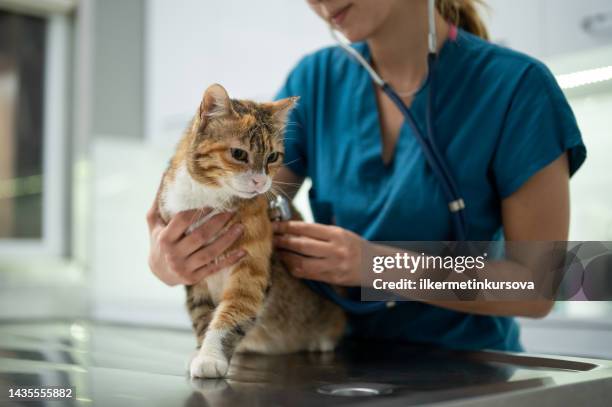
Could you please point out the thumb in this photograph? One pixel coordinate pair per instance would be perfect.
(153, 217)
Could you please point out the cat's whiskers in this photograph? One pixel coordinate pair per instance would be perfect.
(291, 162)
(287, 183)
(276, 191)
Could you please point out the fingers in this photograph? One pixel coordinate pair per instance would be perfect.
(314, 230)
(209, 253)
(180, 258)
(202, 234)
(304, 245)
(224, 262)
(179, 224)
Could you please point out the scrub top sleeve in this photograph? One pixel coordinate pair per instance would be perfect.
(296, 132)
(539, 127)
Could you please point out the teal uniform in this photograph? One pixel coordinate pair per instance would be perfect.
(500, 117)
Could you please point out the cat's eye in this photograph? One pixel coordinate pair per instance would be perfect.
(240, 155)
(273, 157)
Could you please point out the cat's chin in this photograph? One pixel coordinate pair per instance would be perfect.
(244, 194)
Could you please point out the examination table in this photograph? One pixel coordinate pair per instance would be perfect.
(117, 365)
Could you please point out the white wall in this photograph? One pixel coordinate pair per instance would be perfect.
(126, 175)
(547, 28)
(247, 46)
(504, 17)
(591, 188)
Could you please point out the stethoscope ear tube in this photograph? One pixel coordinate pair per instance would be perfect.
(432, 37)
(358, 57)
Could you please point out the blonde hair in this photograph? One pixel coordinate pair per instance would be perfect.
(464, 14)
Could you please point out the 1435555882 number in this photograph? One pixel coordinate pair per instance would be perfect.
(41, 392)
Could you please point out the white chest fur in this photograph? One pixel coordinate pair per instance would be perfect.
(184, 193)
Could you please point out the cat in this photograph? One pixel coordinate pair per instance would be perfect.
(226, 161)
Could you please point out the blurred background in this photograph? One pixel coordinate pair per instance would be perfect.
(95, 93)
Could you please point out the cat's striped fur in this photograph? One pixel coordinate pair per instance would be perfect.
(255, 305)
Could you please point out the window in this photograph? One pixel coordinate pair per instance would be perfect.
(22, 67)
(33, 133)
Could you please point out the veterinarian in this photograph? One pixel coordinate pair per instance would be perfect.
(503, 127)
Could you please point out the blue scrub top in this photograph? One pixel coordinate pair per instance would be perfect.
(500, 117)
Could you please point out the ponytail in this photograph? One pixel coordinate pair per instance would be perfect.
(464, 14)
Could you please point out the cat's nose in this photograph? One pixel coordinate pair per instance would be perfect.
(259, 180)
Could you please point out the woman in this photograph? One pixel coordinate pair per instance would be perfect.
(502, 123)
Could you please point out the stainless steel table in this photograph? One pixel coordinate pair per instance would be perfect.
(122, 365)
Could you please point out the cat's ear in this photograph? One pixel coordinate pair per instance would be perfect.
(215, 103)
(281, 109)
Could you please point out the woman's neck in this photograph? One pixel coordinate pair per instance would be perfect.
(399, 48)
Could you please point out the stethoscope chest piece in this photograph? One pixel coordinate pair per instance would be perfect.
(279, 209)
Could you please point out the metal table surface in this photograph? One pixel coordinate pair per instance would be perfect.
(123, 365)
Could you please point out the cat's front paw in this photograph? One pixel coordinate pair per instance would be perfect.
(208, 366)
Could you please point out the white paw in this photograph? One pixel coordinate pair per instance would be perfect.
(208, 366)
(322, 345)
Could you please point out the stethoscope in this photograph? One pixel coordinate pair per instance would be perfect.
(434, 158)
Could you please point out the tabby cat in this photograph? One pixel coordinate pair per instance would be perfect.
(226, 161)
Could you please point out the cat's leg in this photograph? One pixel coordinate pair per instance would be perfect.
(201, 308)
(237, 312)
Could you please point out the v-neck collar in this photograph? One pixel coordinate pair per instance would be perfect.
(367, 115)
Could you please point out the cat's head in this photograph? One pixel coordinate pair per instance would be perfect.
(237, 144)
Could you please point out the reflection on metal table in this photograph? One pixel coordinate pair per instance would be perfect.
(124, 365)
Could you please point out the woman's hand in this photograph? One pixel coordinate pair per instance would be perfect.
(320, 252)
(179, 258)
